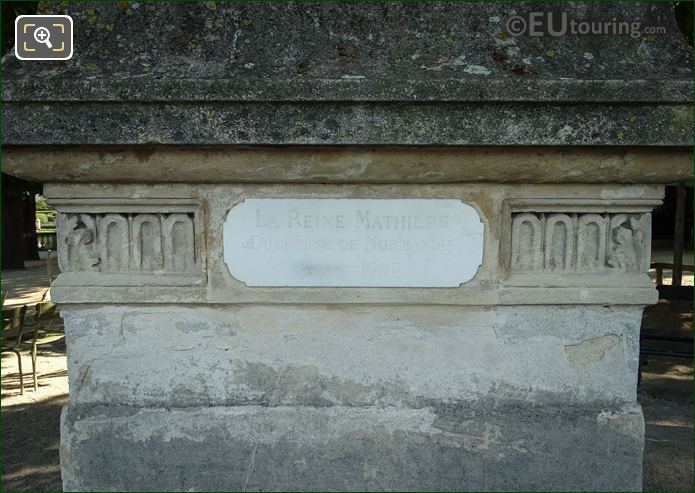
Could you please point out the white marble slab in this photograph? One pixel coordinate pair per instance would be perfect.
(353, 242)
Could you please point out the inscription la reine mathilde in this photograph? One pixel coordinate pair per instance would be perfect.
(363, 220)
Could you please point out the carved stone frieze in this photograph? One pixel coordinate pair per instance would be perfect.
(580, 242)
(128, 242)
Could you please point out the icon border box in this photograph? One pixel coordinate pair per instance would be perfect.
(56, 59)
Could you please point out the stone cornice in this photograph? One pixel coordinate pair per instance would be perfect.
(347, 164)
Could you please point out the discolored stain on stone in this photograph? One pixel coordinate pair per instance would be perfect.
(590, 350)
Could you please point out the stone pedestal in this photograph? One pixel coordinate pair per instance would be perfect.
(522, 378)
(487, 339)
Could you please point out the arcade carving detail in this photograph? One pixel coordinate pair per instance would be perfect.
(580, 242)
(116, 243)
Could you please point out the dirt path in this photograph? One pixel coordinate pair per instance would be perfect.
(666, 398)
(666, 395)
(26, 286)
(31, 422)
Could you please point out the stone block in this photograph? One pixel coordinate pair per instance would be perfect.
(476, 447)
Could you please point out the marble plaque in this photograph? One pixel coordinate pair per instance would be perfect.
(353, 242)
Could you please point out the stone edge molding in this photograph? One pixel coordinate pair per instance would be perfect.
(549, 250)
(347, 164)
(349, 123)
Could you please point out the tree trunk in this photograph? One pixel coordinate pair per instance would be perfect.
(31, 246)
(18, 223)
(12, 230)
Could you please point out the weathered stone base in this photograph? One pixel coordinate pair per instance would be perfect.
(479, 447)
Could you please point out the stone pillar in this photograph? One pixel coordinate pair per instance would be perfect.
(404, 250)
